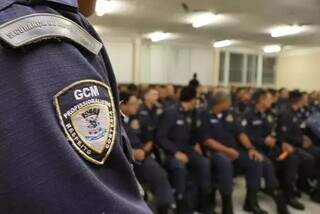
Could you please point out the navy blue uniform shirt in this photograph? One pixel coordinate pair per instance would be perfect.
(148, 119)
(174, 131)
(40, 170)
(223, 128)
(258, 126)
(132, 127)
(288, 128)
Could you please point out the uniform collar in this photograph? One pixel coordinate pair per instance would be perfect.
(70, 3)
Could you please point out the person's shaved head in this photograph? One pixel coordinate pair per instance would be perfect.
(87, 7)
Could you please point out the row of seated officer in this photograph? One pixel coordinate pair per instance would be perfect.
(185, 152)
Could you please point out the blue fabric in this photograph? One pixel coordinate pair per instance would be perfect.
(40, 171)
(71, 3)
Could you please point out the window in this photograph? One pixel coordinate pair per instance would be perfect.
(221, 67)
(268, 70)
(236, 65)
(244, 68)
(252, 69)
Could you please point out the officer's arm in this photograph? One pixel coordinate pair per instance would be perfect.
(284, 133)
(243, 138)
(147, 129)
(207, 138)
(216, 146)
(245, 141)
(166, 121)
(256, 140)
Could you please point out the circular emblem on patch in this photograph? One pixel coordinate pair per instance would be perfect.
(87, 114)
(244, 122)
(199, 123)
(135, 124)
(229, 118)
(159, 111)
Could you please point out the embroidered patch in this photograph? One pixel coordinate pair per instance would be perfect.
(229, 118)
(199, 123)
(37, 27)
(244, 122)
(256, 122)
(180, 122)
(159, 111)
(213, 121)
(87, 114)
(135, 124)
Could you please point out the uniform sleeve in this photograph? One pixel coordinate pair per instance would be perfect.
(204, 131)
(284, 131)
(256, 140)
(147, 129)
(133, 137)
(166, 121)
(238, 128)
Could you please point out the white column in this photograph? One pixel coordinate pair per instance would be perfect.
(216, 66)
(245, 69)
(260, 70)
(226, 72)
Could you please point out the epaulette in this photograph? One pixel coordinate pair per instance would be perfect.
(45, 26)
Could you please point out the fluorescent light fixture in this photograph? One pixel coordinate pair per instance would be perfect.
(158, 36)
(204, 19)
(272, 48)
(106, 6)
(221, 44)
(286, 30)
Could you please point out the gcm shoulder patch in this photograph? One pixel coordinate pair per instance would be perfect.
(87, 114)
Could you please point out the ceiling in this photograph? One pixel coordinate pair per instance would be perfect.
(247, 21)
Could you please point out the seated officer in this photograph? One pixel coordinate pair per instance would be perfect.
(258, 124)
(61, 146)
(289, 130)
(170, 98)
(183, 156)
(241, 101)
(148, 116)
(147, 170)
(220, 134)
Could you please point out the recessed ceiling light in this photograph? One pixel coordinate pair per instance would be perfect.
(106, 6)
(272, 48)
(203, 19)
(221, 44)
(158, 36)
(286, 30)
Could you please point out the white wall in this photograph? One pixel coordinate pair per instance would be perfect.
(160, 62)
(121, 55)
(299, 69)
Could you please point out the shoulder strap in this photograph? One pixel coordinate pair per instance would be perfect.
(43, 26)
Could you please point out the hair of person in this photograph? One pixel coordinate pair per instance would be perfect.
(219, 97)
(132, 87)
(125, 96)
(272, 91)
(187, 94)
(282, 89)
(295, 96)
(150, 88)
(239, 89)
(258, 94)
